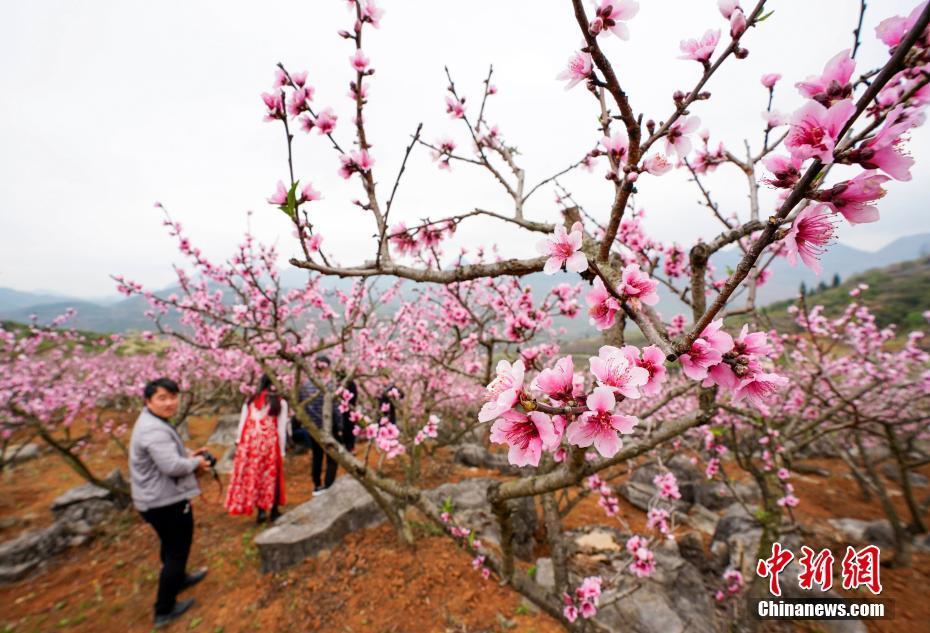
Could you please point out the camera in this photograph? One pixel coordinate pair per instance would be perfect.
(211, 459)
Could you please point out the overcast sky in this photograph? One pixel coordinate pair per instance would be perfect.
(108, 106)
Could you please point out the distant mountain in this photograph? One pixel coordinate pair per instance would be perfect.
(12, 299)
(125, 315)
(898, 294)
(841, 260)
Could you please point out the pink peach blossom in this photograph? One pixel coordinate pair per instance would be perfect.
(611, 15)
(599, 425)
(616, 146)
(714, 334)
(892, 30)
(833, 84)
(504, 391)
(613, 368)
(785, 169)
(809, 235)
(563, 248)
(652, 359)
(727, 7)
(356, 162)
(770, 79)
(656, 164)
(636, 284)
(557, 382)
(359, 61)
(279, 197)
(326, 121)
(371, 13)
(603, 306)
(309, 194)
(700, 50)
(852, 197)
(884, 150)
(454, 107)
(579, 68)
(667, 485)
(815, 129)
(677, 140)
(738, 23)
(527, 436)
(758, 387)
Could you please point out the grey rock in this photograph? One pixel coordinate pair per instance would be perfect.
(225, 430)
(915, 479)
(735, 542)
(90, 503)
(702, 519)
(19, 453)
(672, 600)
(715, 495)
(471, 508)
(224, 465)
(922, 543)
(687, 474)
(852, 530)
(641, 495)
(317, 525)
(878, 532)
(32, 549)
(691, 548)
(477, 456)
(545, 574)
(733, 521)
(12, 573)
(77, 512)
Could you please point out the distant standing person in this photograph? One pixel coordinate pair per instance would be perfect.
(316, 402)
(161, 472)
(347, 428)
(258, 466)
(386, 403)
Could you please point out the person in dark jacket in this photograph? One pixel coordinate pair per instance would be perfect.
(386, 403)
(315, 403)
(348, 424)
(162, 477)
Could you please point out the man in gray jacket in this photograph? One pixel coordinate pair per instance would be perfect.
(162, 475)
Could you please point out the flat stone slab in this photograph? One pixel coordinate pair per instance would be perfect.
(225, 430)
(318, 524)
(19, 453)
(88, 495)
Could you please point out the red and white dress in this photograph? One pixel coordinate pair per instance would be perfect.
(258, 467)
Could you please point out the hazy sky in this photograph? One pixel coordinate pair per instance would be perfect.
(108, 106)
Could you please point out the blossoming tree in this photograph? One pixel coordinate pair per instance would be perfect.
(571, 427)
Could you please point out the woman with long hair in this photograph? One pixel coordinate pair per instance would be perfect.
(258, 466)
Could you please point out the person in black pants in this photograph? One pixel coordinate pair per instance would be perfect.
(314, 400)
(174, 525)
(163, 480)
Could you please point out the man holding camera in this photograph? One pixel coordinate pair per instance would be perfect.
(162, 474)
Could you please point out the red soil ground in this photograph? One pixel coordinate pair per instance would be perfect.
(369, 583)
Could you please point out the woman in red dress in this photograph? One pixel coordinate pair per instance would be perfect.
(258, 467)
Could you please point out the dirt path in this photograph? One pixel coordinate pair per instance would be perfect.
(369, 583)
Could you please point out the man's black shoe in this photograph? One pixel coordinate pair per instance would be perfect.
(275, 514)
(179, 608)
(261, 516)
(192, 579)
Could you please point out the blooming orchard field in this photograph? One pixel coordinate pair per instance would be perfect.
(471, 355)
